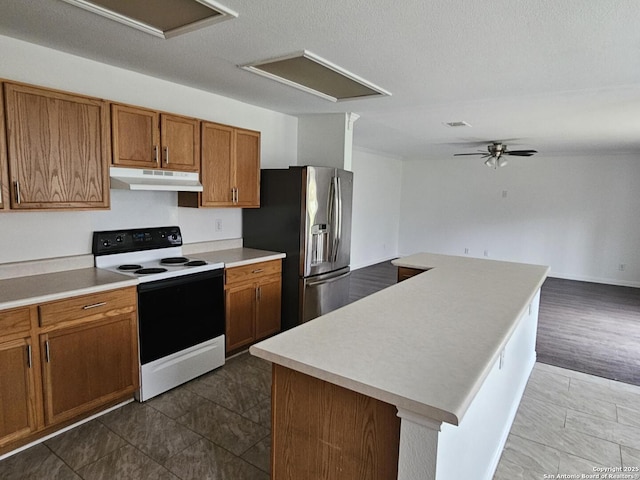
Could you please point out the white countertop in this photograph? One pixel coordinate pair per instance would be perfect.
(426, 344)
(236, 257)
(22, 291)
(45, 287)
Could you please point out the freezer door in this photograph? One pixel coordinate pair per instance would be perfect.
(324, 293)
(327, 231)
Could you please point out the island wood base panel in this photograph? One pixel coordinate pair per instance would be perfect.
(323, 431)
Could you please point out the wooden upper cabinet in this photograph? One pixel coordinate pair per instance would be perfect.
(4, 172)
(229, 170)
(148, 139)
(217, 169)
(58, 149)
(180, 140)
(247, 168)
(136, 137)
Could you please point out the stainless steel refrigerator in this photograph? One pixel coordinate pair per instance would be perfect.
(305, 212)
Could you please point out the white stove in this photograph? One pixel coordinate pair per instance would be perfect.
(148, 254)
(156, 264)
(181, 321)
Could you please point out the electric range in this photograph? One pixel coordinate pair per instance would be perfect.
(181, 319)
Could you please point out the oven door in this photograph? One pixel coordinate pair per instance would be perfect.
(178, 313)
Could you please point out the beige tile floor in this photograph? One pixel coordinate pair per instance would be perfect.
(573, 425)
(218, 427)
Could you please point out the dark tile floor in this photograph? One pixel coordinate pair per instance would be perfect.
(217, 426)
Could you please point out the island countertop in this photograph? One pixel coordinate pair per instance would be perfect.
(426, 344)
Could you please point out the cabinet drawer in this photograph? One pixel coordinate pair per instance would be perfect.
(14, 321)
(95, 306)
(249, 272)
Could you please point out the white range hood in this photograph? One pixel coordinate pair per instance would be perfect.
(158, 180)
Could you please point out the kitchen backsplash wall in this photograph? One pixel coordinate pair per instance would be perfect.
(35, 235)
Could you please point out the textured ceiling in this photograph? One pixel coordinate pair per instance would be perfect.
(562, 77)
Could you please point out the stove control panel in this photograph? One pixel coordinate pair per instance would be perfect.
(135, 239)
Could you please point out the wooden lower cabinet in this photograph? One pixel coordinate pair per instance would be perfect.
(63, 360)
(17, 390)
(240, 308)
(324, 431)
(407, 272)
(87, 366)
(252, 303)
(18, 414)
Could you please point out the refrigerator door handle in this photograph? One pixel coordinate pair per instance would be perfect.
(334, 211)
(329, 280)
(339, 233)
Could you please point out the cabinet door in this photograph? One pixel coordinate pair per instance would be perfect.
(247, 168)
(240, 309)
(216, 167)
(136, 136)
(88, 366)
(58, 146)
(4, 178)
(17, 391)
(180, 139)
(268, 307)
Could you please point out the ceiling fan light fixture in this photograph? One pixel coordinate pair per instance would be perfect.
(490, 162)
(502, 162)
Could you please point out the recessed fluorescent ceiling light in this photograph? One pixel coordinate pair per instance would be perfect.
(162, 18)
(308, 72)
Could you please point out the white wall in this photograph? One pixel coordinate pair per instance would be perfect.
(578, 215)
(376, 207)
(35, 235)
(322, 139)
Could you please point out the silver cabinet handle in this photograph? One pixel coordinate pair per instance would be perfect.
(17, 185)
(237, 195)
(28, 356)
(166, 155)
(258, 270)
(94, 305)
(47, 353)
(155, 154)
(0, 192)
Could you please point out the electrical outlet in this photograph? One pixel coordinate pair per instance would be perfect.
(621, 267)
(504, 194)
(486, 253)
(218, 224)
(466, 251)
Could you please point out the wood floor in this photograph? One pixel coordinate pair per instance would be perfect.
(586, 327)
(590, 328)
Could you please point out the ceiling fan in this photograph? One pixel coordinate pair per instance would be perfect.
(496, 154)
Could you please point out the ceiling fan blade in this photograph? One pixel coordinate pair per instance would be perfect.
(460, 154)
(519, 154)
(516, 152)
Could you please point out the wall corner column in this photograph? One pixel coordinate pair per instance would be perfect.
(418, 446)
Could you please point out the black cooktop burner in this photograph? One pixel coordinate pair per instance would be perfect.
(129, 267)
(195, 263)
(145, 271)
(174, 260)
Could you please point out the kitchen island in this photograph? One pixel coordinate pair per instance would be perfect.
(449, 351)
